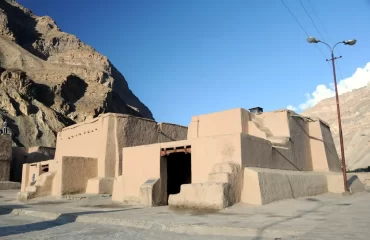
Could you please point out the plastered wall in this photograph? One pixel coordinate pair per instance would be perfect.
(104, 137)
(101, 140)
(219, 123)
(108, 153)
(84, 139)
(255, 152)
(323, 152)
(132, 131)
(207, 151)
(75, 173)
(138, 131)
(30, 169)
(300, 154)
(300, 143)
(330, 150)
(253, 130)
(276, 122)
(296, 155)
(5, 157)
(144, 162)
(141, 164)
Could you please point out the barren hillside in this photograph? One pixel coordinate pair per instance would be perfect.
(50, 79)
(355, 111)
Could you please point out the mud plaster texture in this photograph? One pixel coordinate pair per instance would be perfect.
(5, 157)
(80, 169)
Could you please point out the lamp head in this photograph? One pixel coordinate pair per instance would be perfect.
(350, 42)
(313, 40)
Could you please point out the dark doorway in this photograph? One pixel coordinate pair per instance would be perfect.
(178, 171)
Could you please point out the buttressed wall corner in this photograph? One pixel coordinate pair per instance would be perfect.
(221, 158)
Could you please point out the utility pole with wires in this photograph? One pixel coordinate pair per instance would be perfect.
(333, 58)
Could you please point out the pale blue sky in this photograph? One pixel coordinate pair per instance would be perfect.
(184, 58)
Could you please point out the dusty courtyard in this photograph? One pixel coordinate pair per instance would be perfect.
(328, 216)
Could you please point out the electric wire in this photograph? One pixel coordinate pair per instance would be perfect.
(327, 32)
(313, 22)
(304, 30)
(317, 16)
(291, 13)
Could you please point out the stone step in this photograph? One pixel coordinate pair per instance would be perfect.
(43, 178)
(209, 195)
(24, 196)
(39, 188)
(32, 188)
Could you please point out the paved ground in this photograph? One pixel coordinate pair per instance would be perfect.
(328, 216)
(26, 227)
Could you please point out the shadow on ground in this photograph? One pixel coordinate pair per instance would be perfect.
(43, 225)
(110, 205)
(319, 204)
(47, 203)
(9, 208)
(314, 209)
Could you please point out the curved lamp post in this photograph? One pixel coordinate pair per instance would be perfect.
(350, 43)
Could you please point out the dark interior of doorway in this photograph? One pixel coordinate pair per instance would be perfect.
(45, 168)
(178, 171)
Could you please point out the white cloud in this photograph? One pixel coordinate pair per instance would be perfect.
(359, 79)
(291, 107)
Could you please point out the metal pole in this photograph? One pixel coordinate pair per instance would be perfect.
(344, 170)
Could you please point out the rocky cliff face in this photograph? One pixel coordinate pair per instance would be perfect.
(355, 112)
(50, 79)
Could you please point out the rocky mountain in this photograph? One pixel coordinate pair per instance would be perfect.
(50, 79)
(355, 113)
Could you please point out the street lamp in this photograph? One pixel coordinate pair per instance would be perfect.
(350, 43)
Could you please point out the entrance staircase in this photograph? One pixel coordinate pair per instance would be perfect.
(41, 187)
(222, 189)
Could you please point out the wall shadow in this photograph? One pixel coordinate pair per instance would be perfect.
(286, 159)
(166, 136)
(314, 138)
(264, 229)
(63, 219)
(9, 208)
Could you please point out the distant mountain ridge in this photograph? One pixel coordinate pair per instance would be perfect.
(50, 79)
(355, 114)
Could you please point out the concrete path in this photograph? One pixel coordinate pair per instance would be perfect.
(328, 216)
